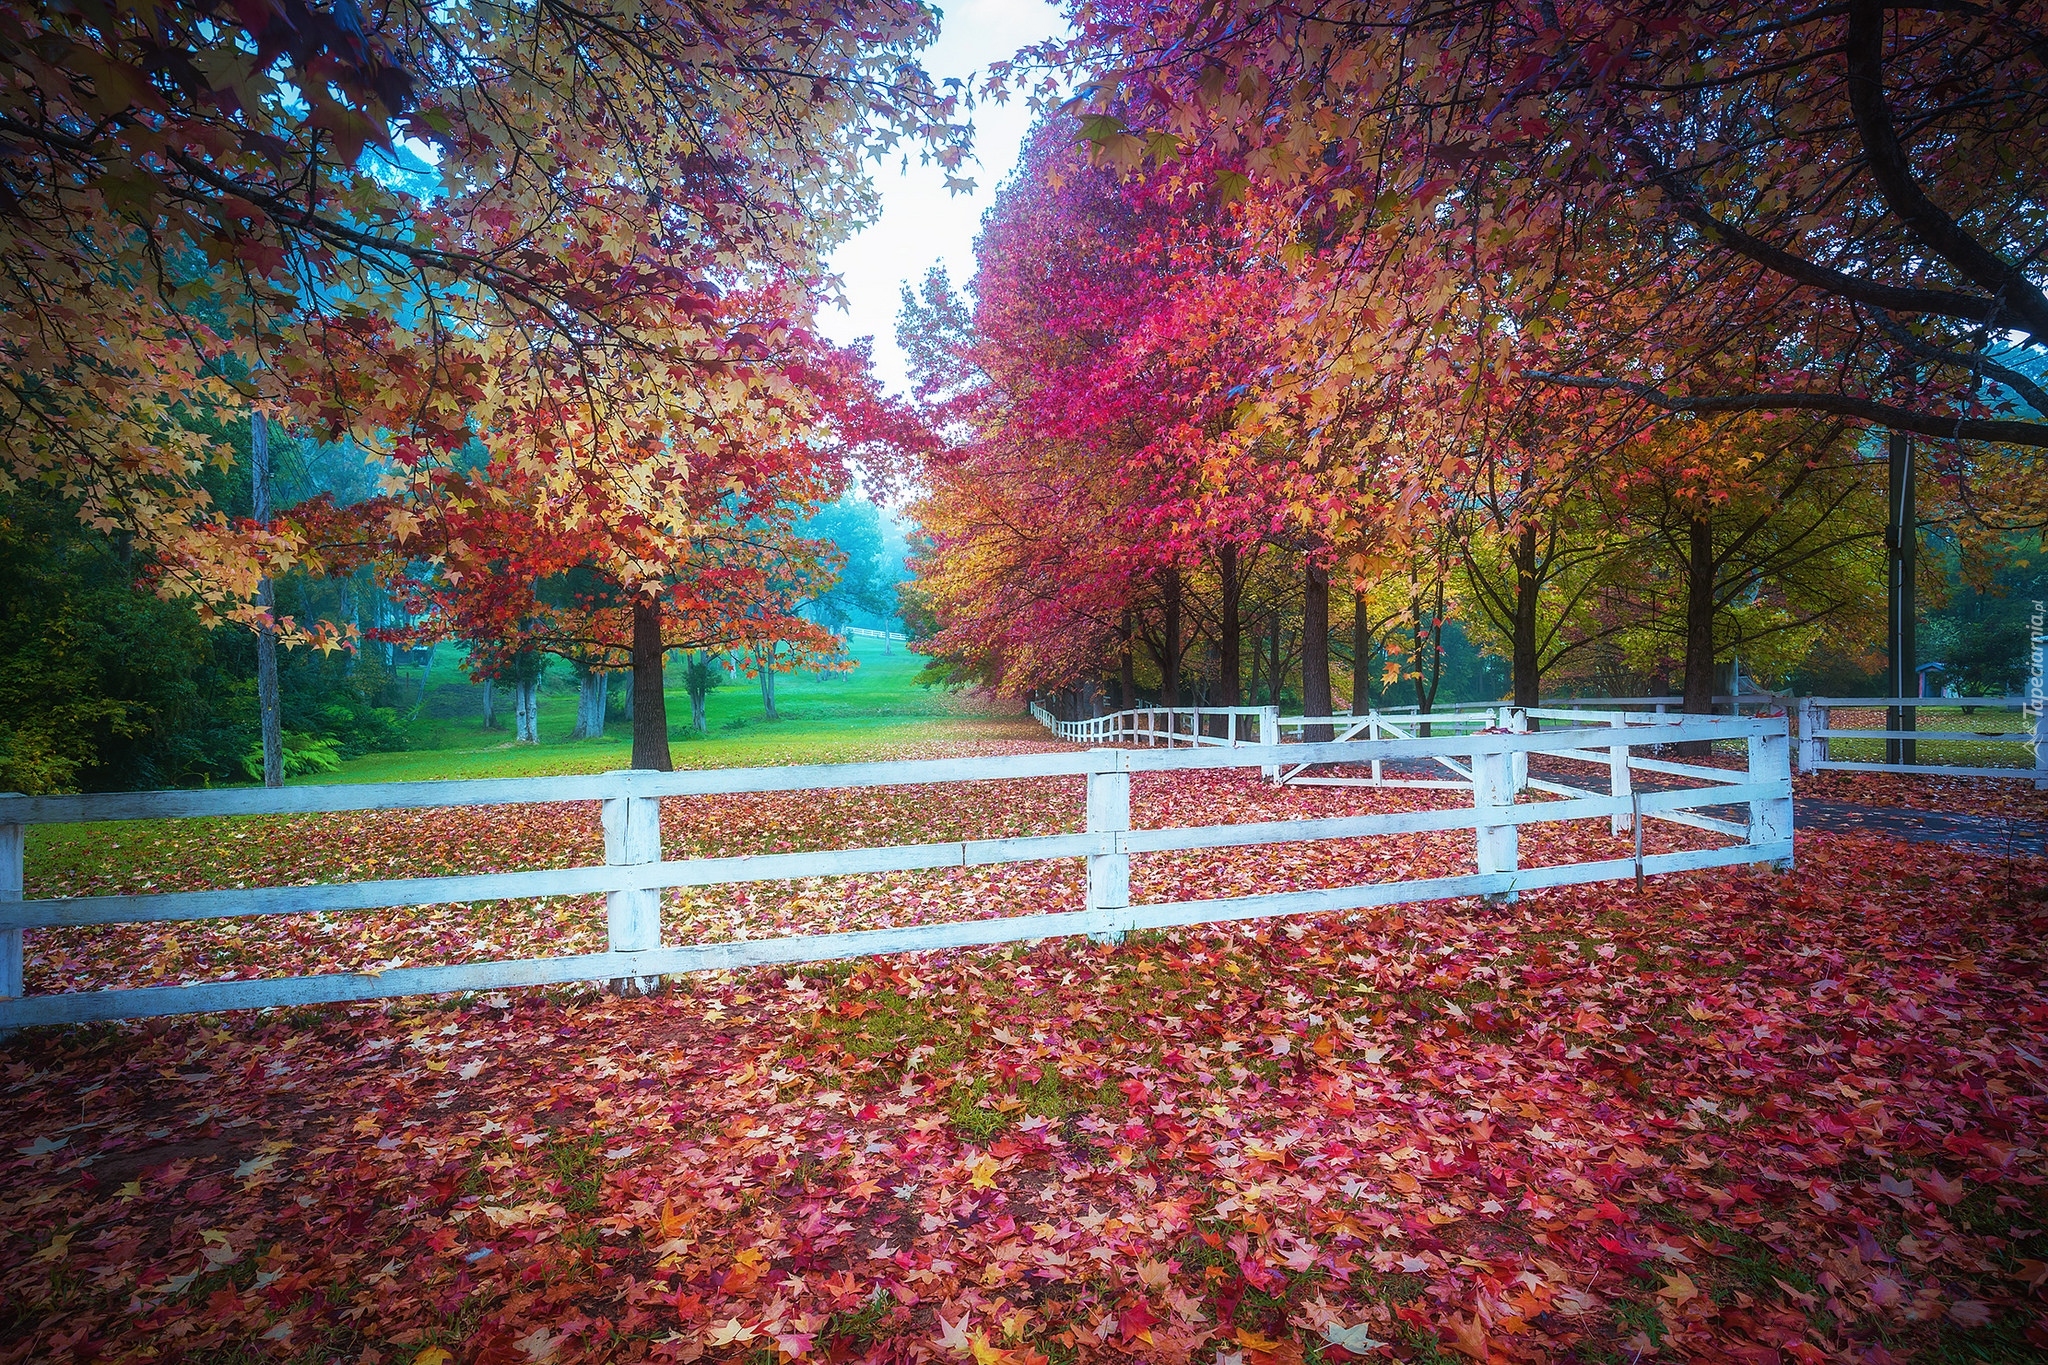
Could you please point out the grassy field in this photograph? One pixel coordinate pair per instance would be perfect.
(1986, 720)
(872, 710)
(875, 705)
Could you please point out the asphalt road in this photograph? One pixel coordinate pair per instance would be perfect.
(1996, 834)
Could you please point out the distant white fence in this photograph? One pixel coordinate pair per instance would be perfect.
(1196, 726)
(1178, 726)
(1816, 728)
(634, 871)
(1620, 760)
(1170, 727)
(1760, 701)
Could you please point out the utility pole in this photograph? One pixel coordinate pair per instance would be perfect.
(266, 634)
(1902, 541)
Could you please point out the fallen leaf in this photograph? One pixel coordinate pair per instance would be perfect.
(1356, 1338)
(1467, 1336)
(1941, 1188)
(1678, 1288)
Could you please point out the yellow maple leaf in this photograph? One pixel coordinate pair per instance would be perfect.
(1468, 1336)
(982, 1174)
(433, 1355)
(985, 1354)
(1252, 1341)
(402, 524)
(1678, 1288)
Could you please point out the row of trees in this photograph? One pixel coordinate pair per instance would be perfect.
(1564, 321)
(830, 569)
(108, 684)
(554, 271)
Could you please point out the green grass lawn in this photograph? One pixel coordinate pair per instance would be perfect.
(872, 711)
(869, 709)
(1950, 716)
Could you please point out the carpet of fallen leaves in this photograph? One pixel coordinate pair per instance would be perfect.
(1995, 797)
(1737, 1117)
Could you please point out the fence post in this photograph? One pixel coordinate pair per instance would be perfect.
(10, 890)
(1619, 784)
(1813, 748)
(1770, 760)
(1372, 732)
(1518, 762)
(1109, 874)
(2041, 750)
(632, 835)
(1495, 847)
(1269, 735)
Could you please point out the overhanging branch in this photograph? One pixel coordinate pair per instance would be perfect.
(2004, 431)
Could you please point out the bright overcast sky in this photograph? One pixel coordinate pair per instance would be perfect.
(921, 225)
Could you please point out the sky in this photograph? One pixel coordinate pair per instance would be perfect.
(920, 224)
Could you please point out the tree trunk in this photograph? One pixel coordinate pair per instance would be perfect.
(697, 711)
(768, 688)
(626, 698)
(1127, 673)
(490, 703)
(1273, 663)
(1361, 649)
(526, 711)
(1315, 653)
(1699, 627)
(1528, 671)
(1232, 646)
(266, 636)
(650, 707)
(1902, 539)
(1258, 677)
(1428, 636)
(1169, 659)
(589, 703)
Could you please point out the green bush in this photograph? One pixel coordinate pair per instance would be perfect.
(302, 754)
(106, 686)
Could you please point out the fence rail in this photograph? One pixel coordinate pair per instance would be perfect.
(1816, 729)
(1184, 726)
(635, 870)
(1168, 726)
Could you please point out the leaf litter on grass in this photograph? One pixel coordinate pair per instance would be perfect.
(1739, 1117)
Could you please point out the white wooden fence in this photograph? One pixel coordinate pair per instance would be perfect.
(1169, 726)
(1187, 726)
(1816, 728)
(1661, 705)
(634, 871)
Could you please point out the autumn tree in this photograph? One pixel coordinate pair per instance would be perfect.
(1755, 535)
(423, 225)
(1879, 168)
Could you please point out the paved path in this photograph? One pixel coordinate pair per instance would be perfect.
(2021, 835)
